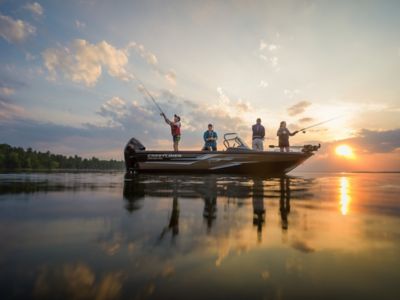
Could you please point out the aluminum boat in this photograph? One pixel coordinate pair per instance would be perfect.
(237, 158)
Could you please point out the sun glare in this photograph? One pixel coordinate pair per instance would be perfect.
(345, 197)
(345, 151)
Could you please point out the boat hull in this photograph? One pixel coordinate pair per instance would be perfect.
(235, 162)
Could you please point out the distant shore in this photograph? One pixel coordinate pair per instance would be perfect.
(18, 159)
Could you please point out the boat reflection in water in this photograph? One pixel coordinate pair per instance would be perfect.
(284, 201)
(231, 191)
(210, 202)
(92, 236)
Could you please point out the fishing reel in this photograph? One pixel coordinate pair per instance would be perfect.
(296, 132)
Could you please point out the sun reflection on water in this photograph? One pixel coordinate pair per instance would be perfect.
(345, 197)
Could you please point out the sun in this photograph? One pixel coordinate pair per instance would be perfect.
(345, 151)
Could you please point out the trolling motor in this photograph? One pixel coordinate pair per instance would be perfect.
(131, 148)
(310, 148)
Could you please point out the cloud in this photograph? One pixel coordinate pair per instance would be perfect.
(291, 93)
(298, 108)
(115, 105)
(7, 91)
(152, 60)
(10, 111)
(29, 56)
(122, 119)
(83, 62)
(238, 106)
(150, 57)
(262, 46)
(15, 31)
(306, 120)
(86, 140)
(374, 151)
(8, 87)
(35, 8)
(268, 53)
(376, 141)
(127, 115)
(273, 61)
(267, 46)
(170, 76)
(144, 122)
(263, 84)
(79, 24)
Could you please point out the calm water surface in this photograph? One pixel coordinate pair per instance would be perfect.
(94, 236)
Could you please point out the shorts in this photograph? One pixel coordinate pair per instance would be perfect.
(283, 144)
(208, 147)
(176, 138)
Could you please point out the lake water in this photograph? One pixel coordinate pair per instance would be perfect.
(94, 236)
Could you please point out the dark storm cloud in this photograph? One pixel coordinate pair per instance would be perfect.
(298, 108)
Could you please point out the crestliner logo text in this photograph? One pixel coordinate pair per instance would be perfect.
(158, 156)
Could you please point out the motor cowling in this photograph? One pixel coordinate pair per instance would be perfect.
(131, 148)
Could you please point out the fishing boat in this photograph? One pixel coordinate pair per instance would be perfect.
(237, 158)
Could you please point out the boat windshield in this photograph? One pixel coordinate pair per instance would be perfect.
(233, 141)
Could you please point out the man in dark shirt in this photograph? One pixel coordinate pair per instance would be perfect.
(258, 136)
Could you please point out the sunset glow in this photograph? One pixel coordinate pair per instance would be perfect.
(76, 76)
(345, 198)
(345, 151)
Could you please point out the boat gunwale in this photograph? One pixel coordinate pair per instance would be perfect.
(222, 152)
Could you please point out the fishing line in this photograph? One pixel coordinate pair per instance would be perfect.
(142, 86)
(318, 124)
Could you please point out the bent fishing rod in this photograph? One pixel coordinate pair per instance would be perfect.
(143, 87)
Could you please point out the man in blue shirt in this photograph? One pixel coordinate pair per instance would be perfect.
(210, 139)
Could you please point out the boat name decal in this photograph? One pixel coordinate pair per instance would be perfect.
(163, 155)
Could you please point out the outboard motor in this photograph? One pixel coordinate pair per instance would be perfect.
(129, 154)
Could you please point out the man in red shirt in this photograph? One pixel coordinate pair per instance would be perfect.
(175, 129)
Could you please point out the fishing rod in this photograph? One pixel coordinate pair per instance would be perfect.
(148, 93)
(320, 123)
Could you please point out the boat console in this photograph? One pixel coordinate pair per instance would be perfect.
(233, 142)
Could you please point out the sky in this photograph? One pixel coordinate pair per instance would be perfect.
(70, 74)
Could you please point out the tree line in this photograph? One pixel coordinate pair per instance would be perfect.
(16, 158)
